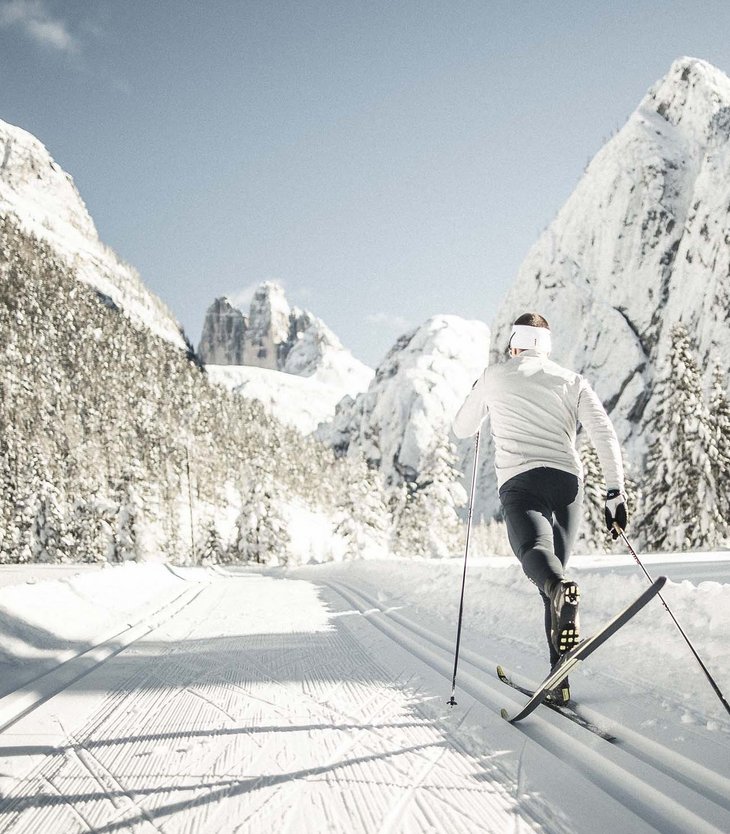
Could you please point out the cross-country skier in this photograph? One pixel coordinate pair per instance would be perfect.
(534, 407)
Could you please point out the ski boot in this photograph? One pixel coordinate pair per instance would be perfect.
(565, 631)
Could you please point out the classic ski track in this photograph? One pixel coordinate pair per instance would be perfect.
(652, 804)
(675, 765)
(120, 773)
(32, 693)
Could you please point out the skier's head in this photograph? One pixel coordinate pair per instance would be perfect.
(530, 331)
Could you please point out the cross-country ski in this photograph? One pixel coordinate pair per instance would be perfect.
(568, 710)
(585, 648)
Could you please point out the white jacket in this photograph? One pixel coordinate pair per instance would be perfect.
(534, 407)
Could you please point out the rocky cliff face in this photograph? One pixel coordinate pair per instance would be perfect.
(223, 336)
(271, 328)
(43, 198)
(276, 336)
(643, 242)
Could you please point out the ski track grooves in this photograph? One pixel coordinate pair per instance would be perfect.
(14, 705)
(212, 729)
(629, 771)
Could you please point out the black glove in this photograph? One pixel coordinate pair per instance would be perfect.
(616, 512)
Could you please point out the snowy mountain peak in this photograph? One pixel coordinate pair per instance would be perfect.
(406, 413)
(276, 336)
(692, 90)
(44, 199)
(268, 326)
(34, 185)
(640, 245)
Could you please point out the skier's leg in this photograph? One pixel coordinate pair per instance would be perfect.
(529, 527)
(567, 497)
(547, 603)
(567, 514)
(530, 532)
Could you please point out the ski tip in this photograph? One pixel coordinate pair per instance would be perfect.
(503, 712)
(660, 582)
(500, 671)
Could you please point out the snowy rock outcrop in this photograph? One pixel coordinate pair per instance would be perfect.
(405, 416)
(642, 243)
(44, 199)
(286, 358)
(281, 338)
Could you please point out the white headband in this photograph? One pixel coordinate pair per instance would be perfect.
(525, 337)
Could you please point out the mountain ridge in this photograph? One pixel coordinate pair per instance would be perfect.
(45, 201)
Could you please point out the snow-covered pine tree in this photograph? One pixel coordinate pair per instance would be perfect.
(720, 445)
(263, 536)
(362, 515)
(126, 534)
(46, 532)
(428, 522)
(681, 493)
(593, 535)
(89, 532)
(211, 550)
(489, 538)
(9, 534)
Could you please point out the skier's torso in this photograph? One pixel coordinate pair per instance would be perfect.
(533, 408)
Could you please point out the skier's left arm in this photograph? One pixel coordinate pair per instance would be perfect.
(593, 416)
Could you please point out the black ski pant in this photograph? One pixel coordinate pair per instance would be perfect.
(542, 510)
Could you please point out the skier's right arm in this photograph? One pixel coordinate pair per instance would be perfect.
(473, 410)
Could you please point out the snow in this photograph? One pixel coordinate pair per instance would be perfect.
(314, 700)
(42, 620)
(276, 336)
(298, 401)
(286, 358)
(410, 404)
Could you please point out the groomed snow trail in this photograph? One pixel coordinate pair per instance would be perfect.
(283, 705)
(255, 709)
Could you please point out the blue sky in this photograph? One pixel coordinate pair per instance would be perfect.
(386, 161)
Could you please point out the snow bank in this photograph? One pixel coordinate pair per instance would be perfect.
(46, 623)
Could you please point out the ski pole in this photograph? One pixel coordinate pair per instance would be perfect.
(452, 701)
(681, 630)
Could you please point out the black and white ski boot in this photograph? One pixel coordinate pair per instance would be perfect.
(565, 630)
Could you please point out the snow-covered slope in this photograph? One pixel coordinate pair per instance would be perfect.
(35, 189)
(407, 411)
(302, 402)
(641, 244)
(315, 700)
